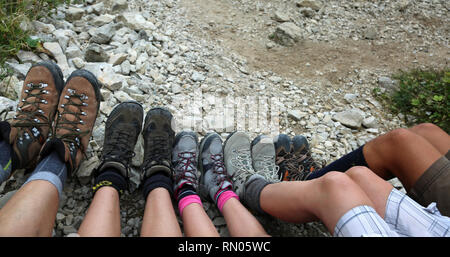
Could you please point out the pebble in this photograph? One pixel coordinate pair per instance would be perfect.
(147, 51)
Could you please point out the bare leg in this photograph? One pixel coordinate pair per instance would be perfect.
(103, 216)
(31, 211)
(159, 216)
(326, 198)
(435, 135)
(376, 188)
(400, 153)
(197, 223)
(240, 221)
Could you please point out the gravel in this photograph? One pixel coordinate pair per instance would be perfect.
(158, 53)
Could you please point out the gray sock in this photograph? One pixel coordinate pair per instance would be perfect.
(252, 192)
(51, 169)
(5, 161)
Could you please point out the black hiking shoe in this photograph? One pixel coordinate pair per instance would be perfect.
(159, 136)
(121, 133)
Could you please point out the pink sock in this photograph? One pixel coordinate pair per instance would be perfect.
(224, 197)
(185, 201)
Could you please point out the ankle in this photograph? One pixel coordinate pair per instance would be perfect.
(223, 197)
(113, 178)
(157, 180)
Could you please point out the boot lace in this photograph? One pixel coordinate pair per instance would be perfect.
(72, 138)
(299, 166)
(157, 149)
(186, 167)
(30, 114)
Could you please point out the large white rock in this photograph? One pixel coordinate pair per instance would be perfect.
(135, 21)
(350, 118)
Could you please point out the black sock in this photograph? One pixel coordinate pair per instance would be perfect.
(354, 158)
(113, 178)
(184, 191)
(159, 179)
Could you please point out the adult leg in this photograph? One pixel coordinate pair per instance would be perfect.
(196, 222)
(400, 153)
(31, 211)
(103, 216)
(240, 221)
(327, 199)
(159, 216)
(401, 213)
(376, 188)
(35, 211)
(435, 135)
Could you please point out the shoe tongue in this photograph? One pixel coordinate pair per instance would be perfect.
(187, 143)
(215, 148)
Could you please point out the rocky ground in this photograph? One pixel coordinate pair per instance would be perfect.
(305, 67)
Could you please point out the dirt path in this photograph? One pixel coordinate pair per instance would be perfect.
(246, 31)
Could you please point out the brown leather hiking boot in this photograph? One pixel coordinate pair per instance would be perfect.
(77, 111)
(31, 126)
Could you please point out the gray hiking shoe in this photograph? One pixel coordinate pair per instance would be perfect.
(214, 176)
(263, 157)
(184, 160)
(238, 161)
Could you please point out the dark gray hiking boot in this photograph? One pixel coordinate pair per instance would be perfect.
(159, 136)
(121, 133)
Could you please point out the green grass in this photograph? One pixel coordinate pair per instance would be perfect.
(13, 14)
(422, 96)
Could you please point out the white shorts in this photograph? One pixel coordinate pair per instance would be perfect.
(362, 221)
(408, 218)
(403, 217)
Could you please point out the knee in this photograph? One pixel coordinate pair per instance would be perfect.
(335, 181)
(399, 137)
(358, 172)
(425, 128)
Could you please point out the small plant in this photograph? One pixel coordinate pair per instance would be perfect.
(423, 95)
(13, 15)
